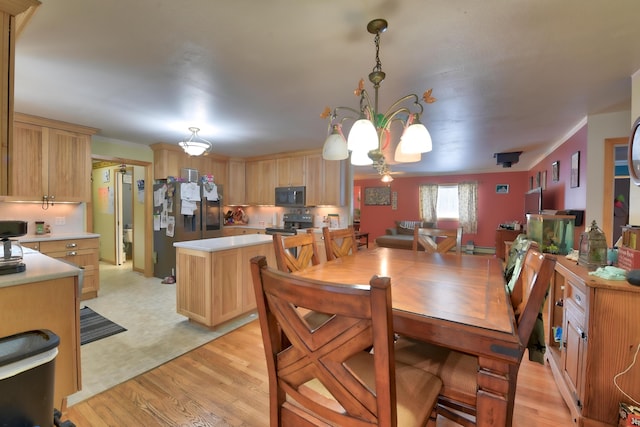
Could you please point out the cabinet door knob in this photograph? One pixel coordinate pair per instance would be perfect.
(72, 245)
(72, 253)
(560, 303)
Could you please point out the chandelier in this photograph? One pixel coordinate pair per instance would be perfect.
(370, 132)
(195, 145)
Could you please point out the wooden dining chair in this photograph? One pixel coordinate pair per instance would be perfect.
(339, 243)
(437, 239)
(324, 376)
(295, 253)
(459, 371)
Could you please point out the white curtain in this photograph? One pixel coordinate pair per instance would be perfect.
(428, 202)
(468, 207)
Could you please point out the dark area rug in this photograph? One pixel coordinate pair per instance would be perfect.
(94, 326)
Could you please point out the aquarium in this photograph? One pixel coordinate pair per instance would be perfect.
(553, 233)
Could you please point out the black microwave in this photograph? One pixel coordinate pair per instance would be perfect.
(293, 197)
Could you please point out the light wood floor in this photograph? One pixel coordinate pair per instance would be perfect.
(224, 383)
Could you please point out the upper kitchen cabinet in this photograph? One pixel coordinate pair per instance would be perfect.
(49, 160)
(14, 14)
(260, 182)
(290, 171)
(169, 159)
(325, 181)
(235, 191)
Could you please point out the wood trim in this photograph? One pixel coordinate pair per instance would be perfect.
(23, 18)
(608, 184)
(54, 124)
(15, 7)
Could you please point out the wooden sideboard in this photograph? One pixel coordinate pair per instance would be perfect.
(503, 235)
(600, 321)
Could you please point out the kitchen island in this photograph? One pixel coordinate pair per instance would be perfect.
(46, 296)
(213, 277)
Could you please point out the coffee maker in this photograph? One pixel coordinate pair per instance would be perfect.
(10, 250)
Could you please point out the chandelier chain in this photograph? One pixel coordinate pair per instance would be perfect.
(378, 66)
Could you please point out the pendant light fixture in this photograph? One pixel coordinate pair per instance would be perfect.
(369, 134)
(195, 145)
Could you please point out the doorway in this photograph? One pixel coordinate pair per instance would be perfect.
(129, 181)
(615, 212)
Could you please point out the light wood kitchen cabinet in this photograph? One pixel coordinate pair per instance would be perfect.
(290, 171)
(81, 252)
(170, 159)
(48, 304)
(260, 182)
(325, 181)
(14, 15)
(50, 160)
(600, 324)
(214, 287)
(234, 193)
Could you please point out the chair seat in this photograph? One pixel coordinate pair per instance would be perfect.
(414, 387)
(457, 370)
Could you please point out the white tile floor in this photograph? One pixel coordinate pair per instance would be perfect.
(155, 332)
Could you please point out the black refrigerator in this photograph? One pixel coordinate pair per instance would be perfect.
(183, 211)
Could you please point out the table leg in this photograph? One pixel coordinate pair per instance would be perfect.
(496, 393)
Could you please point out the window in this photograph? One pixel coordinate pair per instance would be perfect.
(447, 203)
(451, 201)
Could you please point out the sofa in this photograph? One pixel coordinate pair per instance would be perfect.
(401, 236)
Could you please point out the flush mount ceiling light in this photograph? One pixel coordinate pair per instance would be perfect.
(195, 145)
(370, 132)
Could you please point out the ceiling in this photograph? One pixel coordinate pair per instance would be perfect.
(254, 76)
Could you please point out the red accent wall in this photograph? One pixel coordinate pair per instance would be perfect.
(493, 208)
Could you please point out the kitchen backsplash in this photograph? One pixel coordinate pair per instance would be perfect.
(265, 215)
(62, 218)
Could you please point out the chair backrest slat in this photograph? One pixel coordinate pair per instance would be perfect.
(299, 359)
(339, 243)
(295, 253)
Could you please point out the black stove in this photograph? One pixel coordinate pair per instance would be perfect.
(292, 223)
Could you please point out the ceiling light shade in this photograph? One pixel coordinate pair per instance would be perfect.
(362, 136)
(195, 145)
(402, 157)
(335, 147)
(360, 158)
(416, 139)
(386, 178)
(370, 132)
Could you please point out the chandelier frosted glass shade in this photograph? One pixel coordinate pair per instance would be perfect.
(362, 136)
(402, 157)
(416, 139)
(386, 178)
(335, 147)
(361, 158)
(195, 145)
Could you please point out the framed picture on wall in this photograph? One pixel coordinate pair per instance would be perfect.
(502, 188)
(575, 169)
(543, 180)
(377, 196)
(555, 171)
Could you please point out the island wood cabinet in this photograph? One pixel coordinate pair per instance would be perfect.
(53, 305)
(50, 160)
(83, 253)
(600, 323)
(214, 287)
(239, 231)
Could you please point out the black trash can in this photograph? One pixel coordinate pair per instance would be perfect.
(27, 362)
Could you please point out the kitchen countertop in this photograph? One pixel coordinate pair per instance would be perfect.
(224, 243)
(29, 238)
(39, 267)
(251, 226)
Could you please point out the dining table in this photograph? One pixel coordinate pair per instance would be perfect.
(457, 301)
